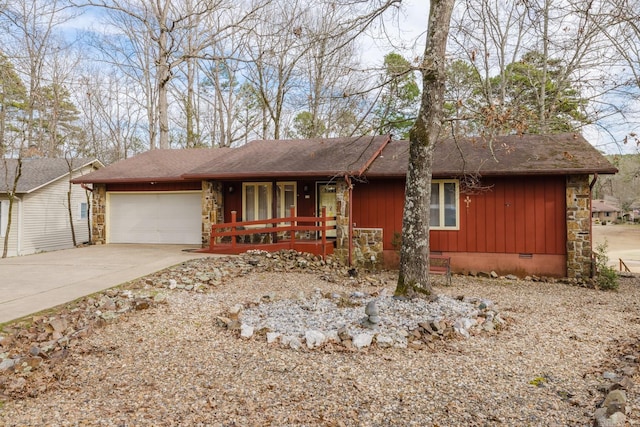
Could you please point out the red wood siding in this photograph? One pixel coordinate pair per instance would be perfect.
(232, 199)
(379, 204)
(159, 186)
(516, 215)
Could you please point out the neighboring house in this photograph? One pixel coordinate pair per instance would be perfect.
(522, 208)
(604, 211)
(40, 215)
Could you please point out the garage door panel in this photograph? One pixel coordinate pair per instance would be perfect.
(155, 218)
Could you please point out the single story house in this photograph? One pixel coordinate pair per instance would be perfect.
(519, 205)
(604, 211)
(40, 219)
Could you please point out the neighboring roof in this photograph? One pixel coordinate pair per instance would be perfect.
(153, 166)
(603, 206)
(38, 172)
(321, 157)
(561, 154)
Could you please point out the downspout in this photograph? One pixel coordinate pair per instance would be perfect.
(350, 187)
(84, 187)
(593, 183)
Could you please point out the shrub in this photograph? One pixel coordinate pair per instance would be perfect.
(606, 276)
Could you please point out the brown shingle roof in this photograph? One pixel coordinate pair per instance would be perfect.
(37, 172)
(373, 156)
(154, 165)
(560, 154)
(296, 157)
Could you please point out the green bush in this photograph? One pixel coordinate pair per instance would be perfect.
(606, 277)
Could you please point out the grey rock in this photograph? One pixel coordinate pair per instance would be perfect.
(7, 364)
(615, 401)
(371, 309)
(374, 319)
(314, 338)
(60, 325)
(362, 340)
(384, 341)
(511, 277)
(291, 341)
(617, 419)
(246, 331)
(273, 337)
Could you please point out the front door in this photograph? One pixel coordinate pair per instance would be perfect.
(327, 198)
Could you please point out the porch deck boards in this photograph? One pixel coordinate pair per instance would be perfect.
(314, 247)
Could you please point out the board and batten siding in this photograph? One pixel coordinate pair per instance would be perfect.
(518, 215)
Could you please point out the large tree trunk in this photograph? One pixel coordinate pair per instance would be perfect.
(414, 255)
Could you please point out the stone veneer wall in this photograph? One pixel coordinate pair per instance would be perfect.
(579, 250)
(98, 214)
(367, 247)
(212, 208)
(342, 221)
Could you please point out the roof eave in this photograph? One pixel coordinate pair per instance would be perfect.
(80, 180)
(260, 175)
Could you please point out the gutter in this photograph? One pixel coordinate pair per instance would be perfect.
(375, 156)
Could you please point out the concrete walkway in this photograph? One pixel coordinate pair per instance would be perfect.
(33, 283)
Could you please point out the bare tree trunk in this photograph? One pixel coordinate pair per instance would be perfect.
(413, 277)
(70, 211)
(11, 194)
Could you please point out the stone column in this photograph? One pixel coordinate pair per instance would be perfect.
(578, 227)
(342, 221)
(98, 214)
(212, 208)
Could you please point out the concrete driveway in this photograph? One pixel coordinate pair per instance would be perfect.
(33, 283)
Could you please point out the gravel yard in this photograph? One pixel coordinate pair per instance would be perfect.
(171, 364)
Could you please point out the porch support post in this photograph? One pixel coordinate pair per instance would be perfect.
(343, 221)
(212, 208)
(579, 239)
(98, 214)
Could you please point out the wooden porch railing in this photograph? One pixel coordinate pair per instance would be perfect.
(236, 230)
(622, 264)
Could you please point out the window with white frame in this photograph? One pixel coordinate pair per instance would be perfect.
(445, 196)
(257, 200)
(83, 210)
(286, 197)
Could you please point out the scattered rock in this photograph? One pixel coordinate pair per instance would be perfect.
(246, 331)
(362, 340)
(314, 338)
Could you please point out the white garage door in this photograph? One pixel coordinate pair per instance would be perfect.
(154, 218)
